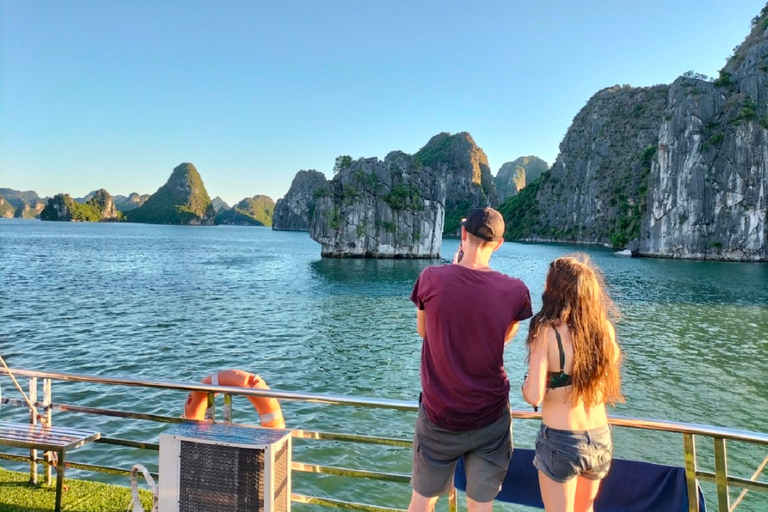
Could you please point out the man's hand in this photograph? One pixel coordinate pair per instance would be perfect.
(459, 254)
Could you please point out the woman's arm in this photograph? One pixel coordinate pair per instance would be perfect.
(535, 384)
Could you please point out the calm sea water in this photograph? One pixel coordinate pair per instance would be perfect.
(176, 303)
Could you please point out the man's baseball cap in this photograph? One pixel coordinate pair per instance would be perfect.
(485, 223)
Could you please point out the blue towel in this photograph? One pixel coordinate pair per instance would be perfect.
(630, 486)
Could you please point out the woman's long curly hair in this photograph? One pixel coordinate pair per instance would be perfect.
(575, 296)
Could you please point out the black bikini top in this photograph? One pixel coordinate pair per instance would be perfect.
(559, 379)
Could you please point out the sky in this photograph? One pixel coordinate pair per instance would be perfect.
(115, 94)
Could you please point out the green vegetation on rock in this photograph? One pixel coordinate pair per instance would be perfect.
(521, 212)
(321, 192)
(453, 215)
(376, 209)
(342, 162)
(251, 211)
(368, 180)
(468, 179)
(597, 189)
(63, 208)
(631, 211)
(334, 217)
(404, 196)
(6, 209)
(182, 200)
(433, 154)
(724, 80)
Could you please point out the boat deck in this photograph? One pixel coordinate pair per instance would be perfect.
(82, 495)
(701, 447)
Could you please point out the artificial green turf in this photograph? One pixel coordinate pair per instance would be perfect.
(16, 495)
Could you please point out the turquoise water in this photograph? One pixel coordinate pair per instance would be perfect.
(176, 303)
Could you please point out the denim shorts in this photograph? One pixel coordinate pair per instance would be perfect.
(486, 453)
(564, 454)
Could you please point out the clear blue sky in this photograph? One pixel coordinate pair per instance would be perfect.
(114, 94)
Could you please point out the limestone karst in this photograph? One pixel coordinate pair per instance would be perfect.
(292, 211)
(182, 200)
(391, 208)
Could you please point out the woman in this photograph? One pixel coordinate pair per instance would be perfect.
(573, 372)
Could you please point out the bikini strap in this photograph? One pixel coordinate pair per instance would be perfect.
(560, 348)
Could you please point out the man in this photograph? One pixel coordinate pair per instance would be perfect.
(466, 314)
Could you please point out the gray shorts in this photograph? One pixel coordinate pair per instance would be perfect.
(486, 454)
(564, 454)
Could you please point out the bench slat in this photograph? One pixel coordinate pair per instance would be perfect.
(49, 438)
(57, 429)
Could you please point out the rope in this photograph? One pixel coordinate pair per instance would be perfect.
(32, 407)
(135, 499)
(754, 477)
(53, 457)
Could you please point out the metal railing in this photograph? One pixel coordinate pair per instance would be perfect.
(689, 432)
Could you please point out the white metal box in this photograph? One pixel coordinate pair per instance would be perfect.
(215, 467)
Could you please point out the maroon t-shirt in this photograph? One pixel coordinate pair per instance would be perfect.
(464, 385)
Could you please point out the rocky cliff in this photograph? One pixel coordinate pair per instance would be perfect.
(219, 204)
(6, 208)
(464, 167)
(62, 207)
(292, 211)
(380, 209)
(16, 197)
(86, 198)
(709, 180)
(182, 200)
(596, 189)
(513, 176)
(672, 171)
(102, 200)
(133, 201)
(29, 211)
(251, 211)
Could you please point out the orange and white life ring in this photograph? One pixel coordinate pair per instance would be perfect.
(270, 414)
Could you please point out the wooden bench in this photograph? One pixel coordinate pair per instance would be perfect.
(53, 439)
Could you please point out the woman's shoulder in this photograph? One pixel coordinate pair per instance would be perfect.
(559, 328)
(547, 334)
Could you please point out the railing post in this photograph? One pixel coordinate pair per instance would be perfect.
(47, 390)
(721, 475)
(689, 447)
(210, 413)
(32, 421)
(227, 408)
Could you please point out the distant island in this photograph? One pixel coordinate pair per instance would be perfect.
(182, 200)
(98, 208)
(251, 211)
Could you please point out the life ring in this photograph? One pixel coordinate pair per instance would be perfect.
(270, 414)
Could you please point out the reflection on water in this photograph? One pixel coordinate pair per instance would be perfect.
(176, 303)
(364, 272)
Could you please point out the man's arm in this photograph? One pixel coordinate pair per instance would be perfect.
(511, 331)
(421, 322)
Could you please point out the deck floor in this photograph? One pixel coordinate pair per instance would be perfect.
(16, 495)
